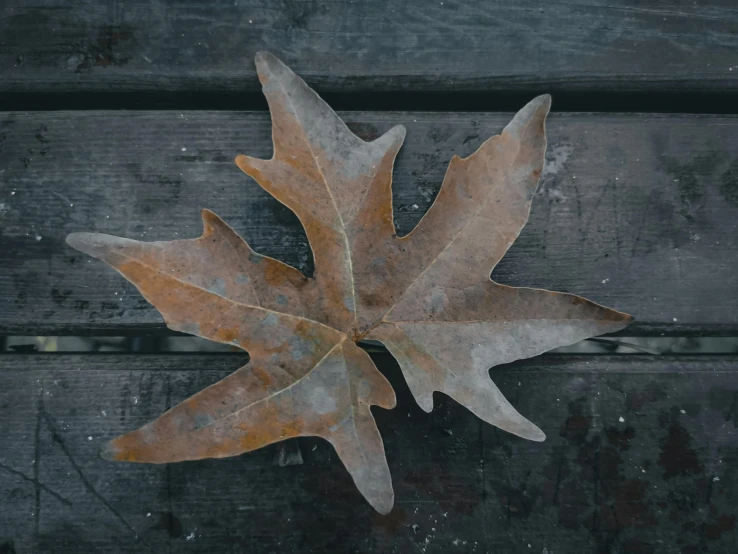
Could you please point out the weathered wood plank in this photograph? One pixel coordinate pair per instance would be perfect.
(377, 45)
(637, 212)
(641, 456)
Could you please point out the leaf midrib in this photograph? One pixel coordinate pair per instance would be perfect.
(207, 291)
(330, 195)
(481, 206)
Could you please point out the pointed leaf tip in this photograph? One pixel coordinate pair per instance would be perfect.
(247, 164)
(109, 451)
(544, 100)
(263, 56)
(75, 240)
(533, 113)
(382, 505)
(623, 321)
(268, 65)
(87, 243)
(253, 167)
(97, 245)
(539, 106)
(536, 435)
(396, 135)
(398, 131)
(210, 219)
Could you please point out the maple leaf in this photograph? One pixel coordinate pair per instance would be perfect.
(426, 296)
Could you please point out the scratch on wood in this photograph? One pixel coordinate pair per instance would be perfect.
(168, 467)
(37, 464)
(36, 483)
(642, 223)
(559, 466)
(616, 213)
(485, 495)
(596, 483)
(596, 207)
(58, 439)
(580, 214)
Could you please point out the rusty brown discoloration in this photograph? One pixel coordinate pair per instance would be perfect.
(427, 295)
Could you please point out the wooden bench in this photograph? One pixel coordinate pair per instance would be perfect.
(638, 211)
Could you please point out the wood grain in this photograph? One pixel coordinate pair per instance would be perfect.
(637, 212)
(640, 457)
(65, 46)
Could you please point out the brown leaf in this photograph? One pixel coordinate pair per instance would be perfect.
(427, 296)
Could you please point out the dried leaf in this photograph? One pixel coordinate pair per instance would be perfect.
(426, 296)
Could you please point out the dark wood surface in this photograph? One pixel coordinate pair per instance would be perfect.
(640, 458)
(370, 45)
(638, 212)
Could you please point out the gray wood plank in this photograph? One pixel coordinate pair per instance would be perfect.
(372, 45)
(638, 212)
(641, 456)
